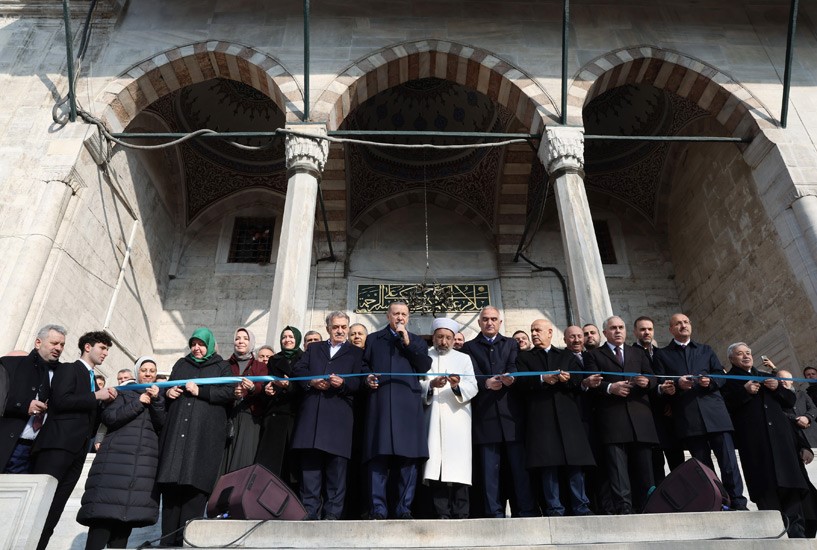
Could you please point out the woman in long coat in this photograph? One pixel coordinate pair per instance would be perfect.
(245, 416)
(282, 403)
(194, 435)
(121, 492)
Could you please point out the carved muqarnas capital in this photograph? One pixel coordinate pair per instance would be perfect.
(307, 153)
(563, 148)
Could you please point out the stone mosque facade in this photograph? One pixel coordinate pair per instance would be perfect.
(150, 243)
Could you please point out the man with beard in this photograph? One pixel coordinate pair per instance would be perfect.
(459, 341)
(448, 413)
(591, 336)
(668, 445)
(555, 436)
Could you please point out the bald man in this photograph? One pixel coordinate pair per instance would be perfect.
(557, 439)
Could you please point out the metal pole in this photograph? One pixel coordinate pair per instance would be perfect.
(306, 60)
(784, 111)
(565, 24)
(69, 46)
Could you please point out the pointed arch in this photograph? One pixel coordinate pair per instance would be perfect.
(466, 65)
(732, 104)
(173, 69)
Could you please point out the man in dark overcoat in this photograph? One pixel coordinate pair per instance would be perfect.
(26, 404)
(498, 417)
(323, 427)
(702, 422)
(769, 452)
(556, 438)
(668, 443)
(395, 439)
(623, 415)
(63, 443)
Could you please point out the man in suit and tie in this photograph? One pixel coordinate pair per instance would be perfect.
(555, 439)
(395, 438)
(597, 484)
(64, 440)
(623, 415)
(701, 419)
(323, 427)
(498, 425)
(661, 410)
(27, 402)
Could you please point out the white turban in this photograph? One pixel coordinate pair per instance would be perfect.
(442, 322)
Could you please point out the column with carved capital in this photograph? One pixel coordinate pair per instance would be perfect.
(562, 153)
(306, 157)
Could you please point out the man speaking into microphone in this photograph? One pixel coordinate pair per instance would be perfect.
(395, 438)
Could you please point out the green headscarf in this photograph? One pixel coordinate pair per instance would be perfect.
(288, 353)
(205, 335)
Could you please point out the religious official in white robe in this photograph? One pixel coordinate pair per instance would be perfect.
(448, 414)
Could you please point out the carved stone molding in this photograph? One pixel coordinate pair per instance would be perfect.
(562, 150)
(307, 154)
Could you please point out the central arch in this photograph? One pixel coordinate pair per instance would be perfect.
(465, 65)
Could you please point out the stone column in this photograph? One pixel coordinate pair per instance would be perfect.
(306, 158)
(562, 153)
(26, 253)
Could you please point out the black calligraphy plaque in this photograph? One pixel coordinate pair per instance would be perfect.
(428, 298)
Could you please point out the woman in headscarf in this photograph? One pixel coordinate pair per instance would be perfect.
(281, 405)
(194, 434)
(121, 492)
(244, 427)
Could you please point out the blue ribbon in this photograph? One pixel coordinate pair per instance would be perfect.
(237, 379)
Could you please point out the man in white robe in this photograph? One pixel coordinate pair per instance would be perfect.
(448, 414)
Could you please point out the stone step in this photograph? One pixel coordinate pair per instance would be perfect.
(748, 529)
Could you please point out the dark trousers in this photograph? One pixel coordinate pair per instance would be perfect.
(675, 457)
(110, 533)
(720, 443)
(180, 504)
(20, 459)
(789, 502)
(628, 492)
(550, 489)
(323, 477)
(490, 459)
(379, 470)
(450, 499)
(65, 467)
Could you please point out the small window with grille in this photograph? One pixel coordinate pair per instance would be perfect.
(251, 242)
(606, 249)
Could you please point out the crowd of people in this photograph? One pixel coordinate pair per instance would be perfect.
(384, 425)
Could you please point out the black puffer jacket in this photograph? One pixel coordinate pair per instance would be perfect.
(122, 481)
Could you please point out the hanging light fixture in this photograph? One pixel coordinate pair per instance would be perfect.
(429, 296)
